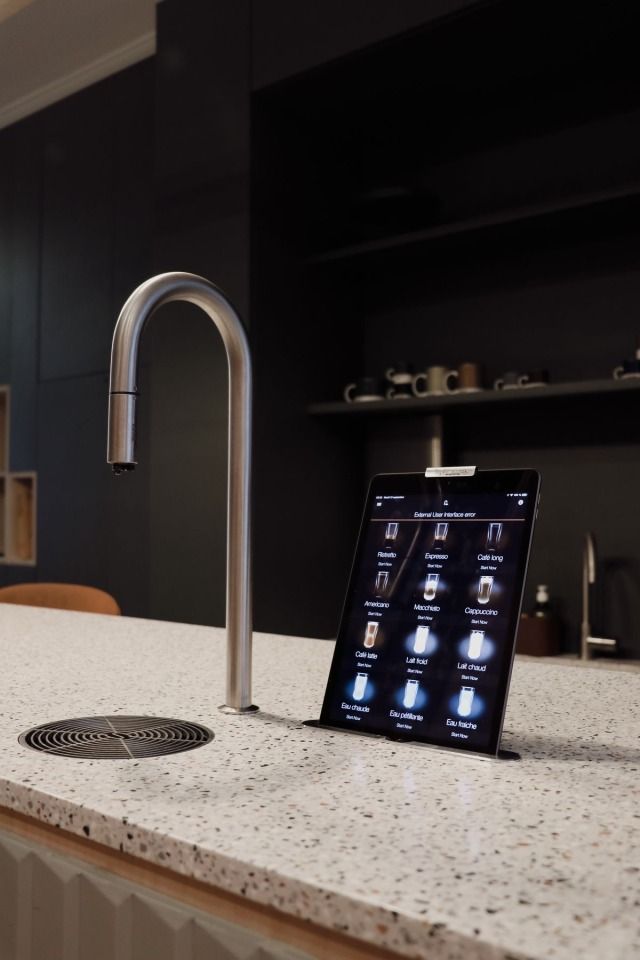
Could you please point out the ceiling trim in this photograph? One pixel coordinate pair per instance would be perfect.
(124, 56)
(9, 7)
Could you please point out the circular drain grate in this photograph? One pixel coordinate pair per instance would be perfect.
(116, 738)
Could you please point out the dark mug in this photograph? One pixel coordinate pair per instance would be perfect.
(537, 378)
(400, 379)
(510, 380)
(628, 368)
(363, 390)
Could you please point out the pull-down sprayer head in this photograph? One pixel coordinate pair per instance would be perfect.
(123, 390)
(121, 447)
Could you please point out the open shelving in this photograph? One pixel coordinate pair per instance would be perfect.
(456, 400)
(18, 506)
(411, 214)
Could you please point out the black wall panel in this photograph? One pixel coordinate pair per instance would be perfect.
(201, 226)
(76, 195)
(73, 495)
(132, 103)
(6, 180)
(77, 234)
(25, 291)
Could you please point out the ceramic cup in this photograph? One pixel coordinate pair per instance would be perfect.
(510, 380)
(469, 378)
(400, 379)
(628, 368)
(434, 381)
(537, 378)
(364, 390)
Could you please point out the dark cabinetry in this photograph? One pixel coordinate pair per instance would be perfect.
(76, 192)
(469, 191)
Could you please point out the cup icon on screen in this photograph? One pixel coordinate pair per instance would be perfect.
(391, 532)
(476, 643)
(494, 532)
(440, 536)
(410, 693)
(420, 642)
(484, 590)
(371, 633)
(382, 581)
(359, 686)
(465, 701)
(431, 586)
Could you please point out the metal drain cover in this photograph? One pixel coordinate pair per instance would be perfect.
(116, 738)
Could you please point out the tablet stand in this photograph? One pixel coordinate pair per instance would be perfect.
(501, 754)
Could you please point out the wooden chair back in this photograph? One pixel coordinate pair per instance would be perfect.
(60, 596)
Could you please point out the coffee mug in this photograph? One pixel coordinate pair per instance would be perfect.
(510, 380)
(402, 392)
(400, 378)
(469, 378)
(537, 378)
(363, 390)
(628, 368)
(436, 381)
(400, 373)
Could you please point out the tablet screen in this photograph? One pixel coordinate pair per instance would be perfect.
(427, 636)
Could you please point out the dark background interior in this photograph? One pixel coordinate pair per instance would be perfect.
(369, 182)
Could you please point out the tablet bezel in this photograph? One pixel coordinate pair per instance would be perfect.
(482, 481)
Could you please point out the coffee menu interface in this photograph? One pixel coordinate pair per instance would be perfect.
(428, 632)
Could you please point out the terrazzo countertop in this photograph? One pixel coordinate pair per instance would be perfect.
(431, 854)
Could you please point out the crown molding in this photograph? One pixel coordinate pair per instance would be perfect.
(118, 59)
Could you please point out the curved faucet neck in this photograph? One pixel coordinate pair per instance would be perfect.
(138, 309)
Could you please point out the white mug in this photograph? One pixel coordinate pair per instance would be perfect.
(362, 390)
(398, 376)
(436, 381)
(620, 373)
(510, 381)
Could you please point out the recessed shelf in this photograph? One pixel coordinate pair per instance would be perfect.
(500, 218)
(438, 404)
(21, 519)
(17, 500)
(3, 495)
(4, 429)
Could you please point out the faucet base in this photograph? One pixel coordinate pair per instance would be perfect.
(225, 708)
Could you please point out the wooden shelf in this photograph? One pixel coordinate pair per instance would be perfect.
(4, 429)
(453, 401)
(3, 515)
(17, 500)
(21, 519)
(501, 218)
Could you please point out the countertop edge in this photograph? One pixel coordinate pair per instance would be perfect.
(326, 908)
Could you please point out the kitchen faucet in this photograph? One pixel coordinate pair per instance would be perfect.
(588, 643)
(121, 452)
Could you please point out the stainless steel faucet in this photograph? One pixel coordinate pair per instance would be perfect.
(588, 643)
(123, 394)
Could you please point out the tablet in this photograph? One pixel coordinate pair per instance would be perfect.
(427, 635)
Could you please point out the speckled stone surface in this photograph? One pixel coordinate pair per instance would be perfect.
(433, 855)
